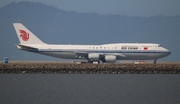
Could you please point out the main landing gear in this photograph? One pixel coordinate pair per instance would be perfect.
(94, 62)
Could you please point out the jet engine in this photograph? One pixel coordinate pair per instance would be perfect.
(93, 56)
(109, 59)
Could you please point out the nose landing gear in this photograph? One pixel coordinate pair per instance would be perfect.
(155, 61)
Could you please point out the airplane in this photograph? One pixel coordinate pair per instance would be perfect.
(105, 53)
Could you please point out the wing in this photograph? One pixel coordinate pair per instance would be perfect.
(81, 54)
(84, 55)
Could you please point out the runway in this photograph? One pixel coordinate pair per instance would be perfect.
(56, 67)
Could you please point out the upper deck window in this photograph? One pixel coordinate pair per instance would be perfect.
(124, 48)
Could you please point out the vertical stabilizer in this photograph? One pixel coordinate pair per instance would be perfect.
(26, 36)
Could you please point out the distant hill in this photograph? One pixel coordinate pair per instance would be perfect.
(54, 25)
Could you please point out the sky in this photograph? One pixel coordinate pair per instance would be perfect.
(121, 7)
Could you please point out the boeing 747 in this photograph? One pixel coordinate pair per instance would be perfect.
(106, 53)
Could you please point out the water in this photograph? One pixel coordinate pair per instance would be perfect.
(89, 89)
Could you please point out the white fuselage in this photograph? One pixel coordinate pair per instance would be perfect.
(107, 53)
(122, 51)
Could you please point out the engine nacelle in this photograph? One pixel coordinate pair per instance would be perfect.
(93, 56)
(110, 59)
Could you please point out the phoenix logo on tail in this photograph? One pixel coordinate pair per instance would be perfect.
(24, 35)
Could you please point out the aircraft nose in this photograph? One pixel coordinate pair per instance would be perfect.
(168, 52)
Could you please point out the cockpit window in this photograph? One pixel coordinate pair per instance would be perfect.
(159, 45)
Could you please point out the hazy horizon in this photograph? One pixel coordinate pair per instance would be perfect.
(121, 7)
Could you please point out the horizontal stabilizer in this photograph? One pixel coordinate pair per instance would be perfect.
(28, 48)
